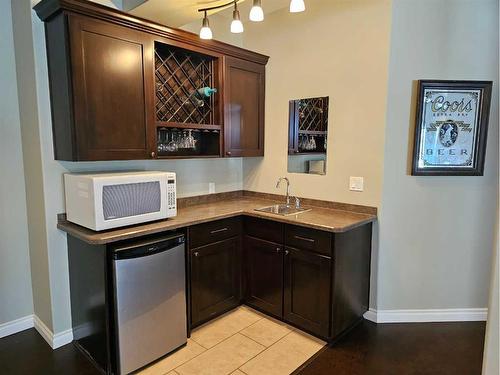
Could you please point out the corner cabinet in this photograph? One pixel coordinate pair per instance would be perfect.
(125, 88)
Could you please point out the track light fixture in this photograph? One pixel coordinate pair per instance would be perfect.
(236, 24)
(205, 32)
(256, 13)
(297, 6)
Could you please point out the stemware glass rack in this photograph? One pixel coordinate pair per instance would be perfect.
(181, 142)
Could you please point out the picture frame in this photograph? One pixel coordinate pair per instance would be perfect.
(451, 128)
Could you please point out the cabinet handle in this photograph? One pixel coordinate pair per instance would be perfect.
(196, 253)
(278, 249)
(218, 230)
(304, 238)
(153, 154)
(287, 252)
(228, 153)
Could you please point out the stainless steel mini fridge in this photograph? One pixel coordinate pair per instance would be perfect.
(150, 300)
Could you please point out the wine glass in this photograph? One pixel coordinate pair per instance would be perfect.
(172, 146)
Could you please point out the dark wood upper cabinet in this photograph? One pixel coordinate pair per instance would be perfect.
(123, 88)
(263, 282)
(307, 291)
(244, 91)
(215, 279)
(109, 90)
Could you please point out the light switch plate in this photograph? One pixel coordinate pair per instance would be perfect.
(356, 183)
(211, 187)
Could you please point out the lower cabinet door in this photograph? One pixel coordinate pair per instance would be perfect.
(263, 283)
(307, 291)
(215, 279)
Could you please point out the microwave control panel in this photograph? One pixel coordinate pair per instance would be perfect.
(171, 200)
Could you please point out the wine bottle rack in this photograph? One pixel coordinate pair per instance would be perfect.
(313, 115)
(179, 73)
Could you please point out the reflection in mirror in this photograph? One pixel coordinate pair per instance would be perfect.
(308, 133)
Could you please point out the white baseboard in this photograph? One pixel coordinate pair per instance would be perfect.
(427, 315)
(54, 340)
(15, 326)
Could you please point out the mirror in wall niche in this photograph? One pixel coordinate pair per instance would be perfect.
(308, 134)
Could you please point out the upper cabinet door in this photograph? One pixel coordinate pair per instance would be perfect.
(110, 90)
(244, 90)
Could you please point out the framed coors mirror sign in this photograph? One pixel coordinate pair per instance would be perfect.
(451, 128)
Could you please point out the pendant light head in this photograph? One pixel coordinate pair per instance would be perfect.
(297, 6)
(205, 32)
(236, 24)
(256, 13)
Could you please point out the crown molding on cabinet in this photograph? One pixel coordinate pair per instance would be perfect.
(47, 9)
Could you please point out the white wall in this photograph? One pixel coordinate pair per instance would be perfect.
(15, 279)
(436, 233)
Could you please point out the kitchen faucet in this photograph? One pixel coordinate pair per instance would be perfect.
(287, 188)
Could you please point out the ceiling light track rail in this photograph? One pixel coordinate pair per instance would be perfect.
(225, 5)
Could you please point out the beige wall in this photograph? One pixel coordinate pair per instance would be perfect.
(436, 233)
(338, 49)
(16, 299)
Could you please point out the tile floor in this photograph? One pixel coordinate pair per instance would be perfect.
(241, 342)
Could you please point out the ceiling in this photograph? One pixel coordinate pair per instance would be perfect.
(177, 13)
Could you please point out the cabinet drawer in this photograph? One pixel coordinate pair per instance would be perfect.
(203, 234)
(308, 239)
(264, 229)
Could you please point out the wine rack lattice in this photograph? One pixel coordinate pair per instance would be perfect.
(313, 114)
(178, 75)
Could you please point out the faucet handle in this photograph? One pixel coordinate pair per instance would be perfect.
(297, 202)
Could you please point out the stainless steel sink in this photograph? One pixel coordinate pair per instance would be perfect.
(283, 209)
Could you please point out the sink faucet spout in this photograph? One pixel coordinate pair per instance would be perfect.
(287, 188)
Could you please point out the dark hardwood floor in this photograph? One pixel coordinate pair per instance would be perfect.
(404, 349)
(371, 349)
(27, 353)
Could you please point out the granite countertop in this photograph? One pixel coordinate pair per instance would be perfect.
(331, 220)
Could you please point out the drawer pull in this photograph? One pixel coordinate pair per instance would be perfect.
(278, 249)
(218, 230)
(287, 252)
(196, 253)
(304, 238)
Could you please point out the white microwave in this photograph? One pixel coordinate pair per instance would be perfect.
(109, 200)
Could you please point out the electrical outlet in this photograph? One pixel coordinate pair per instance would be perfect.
(356, 183)
(211, 187)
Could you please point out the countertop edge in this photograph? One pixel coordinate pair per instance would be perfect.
(80, 232)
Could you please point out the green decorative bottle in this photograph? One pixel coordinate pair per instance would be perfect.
(206, 92)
